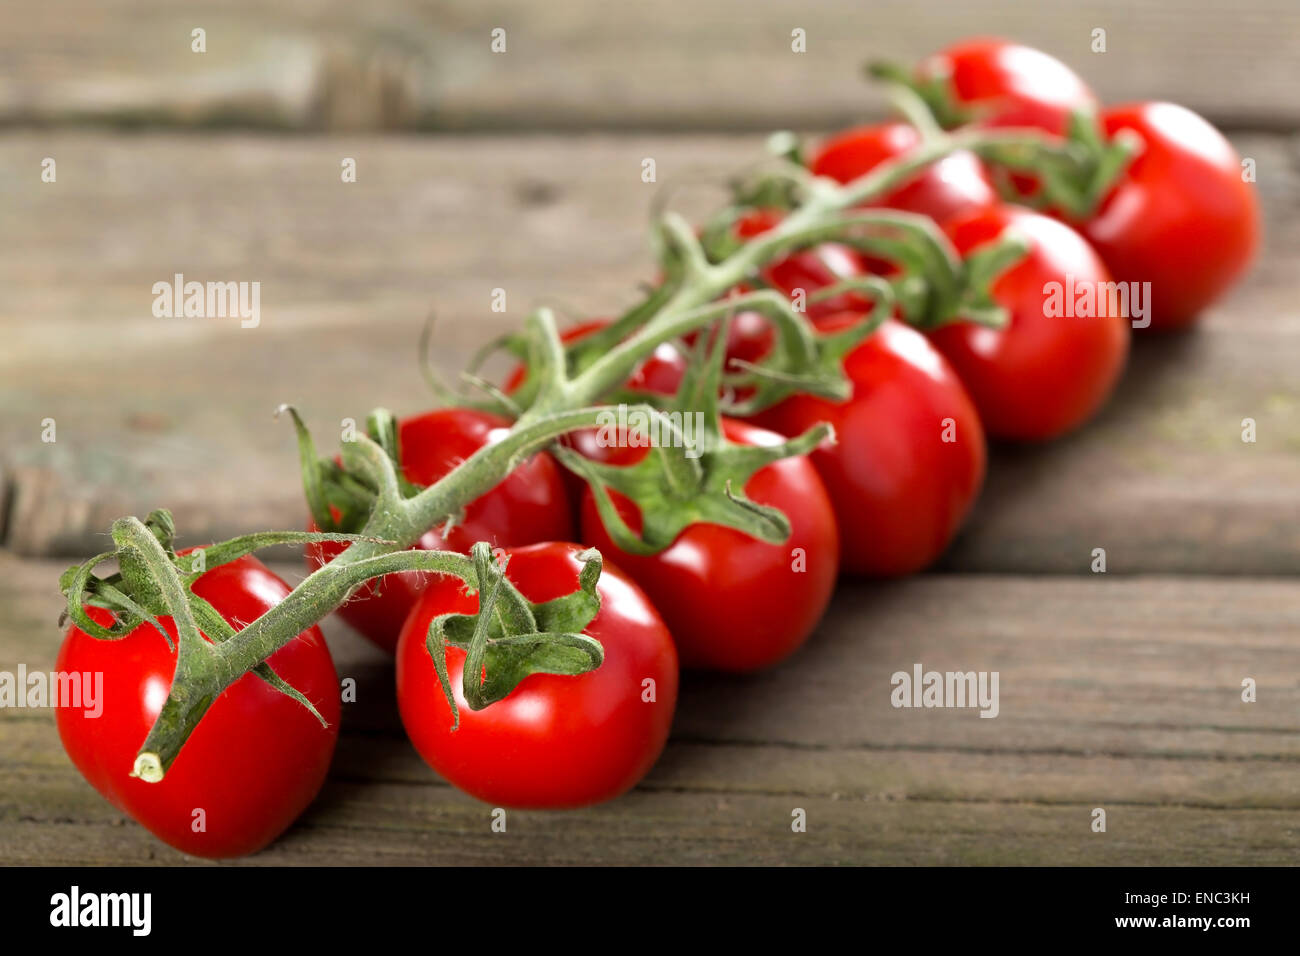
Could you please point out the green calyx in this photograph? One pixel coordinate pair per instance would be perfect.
(930, 285)
(692, 474)
(1073, 174)
(785, 371)
(932, 86)
(341, 496)
(511, 638)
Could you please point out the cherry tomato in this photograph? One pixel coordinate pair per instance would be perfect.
(529, 505)
(255, 760)
(910, 455)
(732, 602)
(954, 186)
(1180, 217)
(1007, 84)
(1056, 361)
(554, 741)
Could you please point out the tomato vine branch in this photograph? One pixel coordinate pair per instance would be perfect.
(558, 402)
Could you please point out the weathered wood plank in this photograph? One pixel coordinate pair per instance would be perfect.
(388, 825)
(586, 64)
(1120, 693)
(176, 412)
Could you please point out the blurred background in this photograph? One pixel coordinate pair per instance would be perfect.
(521, 170)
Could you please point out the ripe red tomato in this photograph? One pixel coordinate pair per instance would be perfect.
(1051, 367)
(732, 602)
(554, 741)
(529, 505)
(954, 186)
(910, 455)
(1180, 217)
(256, 759)
(1010, 85)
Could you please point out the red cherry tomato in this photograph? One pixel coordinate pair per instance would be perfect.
(1056, 361)
(529, 505)
(256, 759)
(732, 602)
(954, 186)
(1010, 85)
(554, 741)
(1180, 217)
(910, 455)
(810, 270)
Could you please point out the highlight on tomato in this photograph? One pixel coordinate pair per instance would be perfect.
(257, 758)
(554, 741)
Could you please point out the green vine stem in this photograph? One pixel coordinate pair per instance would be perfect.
(562, 402)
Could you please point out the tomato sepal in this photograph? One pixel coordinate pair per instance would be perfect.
(683, 483)
(933, 88)
(511, 638)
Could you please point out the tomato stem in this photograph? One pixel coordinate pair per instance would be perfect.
(555, 401)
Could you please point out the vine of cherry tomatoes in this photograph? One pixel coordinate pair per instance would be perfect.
(886, 499)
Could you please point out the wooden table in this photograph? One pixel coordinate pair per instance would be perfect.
(1119, 690)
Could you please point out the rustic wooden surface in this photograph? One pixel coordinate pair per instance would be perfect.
(1119, 691)
(582, 64)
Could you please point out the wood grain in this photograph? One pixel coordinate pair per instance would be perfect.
(1120, 693)
(177, 412)
(586, 64)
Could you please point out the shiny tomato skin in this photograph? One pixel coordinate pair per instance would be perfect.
(553, 742)
(1180, 217)
(1041, 375)
(899, 490)
(1010, 85)
(732, 602)
(954, 186)
(256, 759)
(529, 505)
